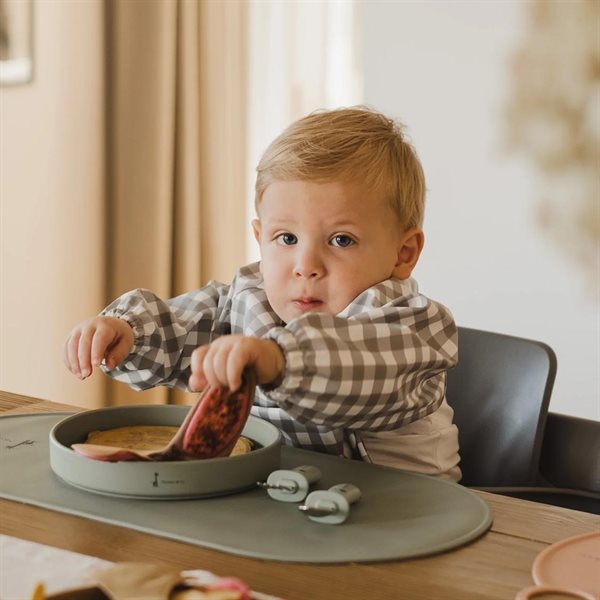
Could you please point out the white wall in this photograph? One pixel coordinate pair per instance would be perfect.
(443, 69)
(51, 203)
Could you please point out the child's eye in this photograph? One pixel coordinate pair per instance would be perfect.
(342, 241)
(287, 239)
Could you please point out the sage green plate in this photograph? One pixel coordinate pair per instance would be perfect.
(164, 479)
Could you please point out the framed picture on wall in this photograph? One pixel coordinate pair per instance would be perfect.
(16, 41)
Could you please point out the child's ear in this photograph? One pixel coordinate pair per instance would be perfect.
(256, 229)
(409, 249)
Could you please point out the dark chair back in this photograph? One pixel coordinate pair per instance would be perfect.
(500, 393)
(569, 463)
(571, 453)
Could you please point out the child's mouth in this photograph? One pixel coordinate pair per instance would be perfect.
(307, 303)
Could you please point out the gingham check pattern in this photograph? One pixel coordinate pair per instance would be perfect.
(379, 364)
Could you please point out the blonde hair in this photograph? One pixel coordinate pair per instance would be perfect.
(349, 144)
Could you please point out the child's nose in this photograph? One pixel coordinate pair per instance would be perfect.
(309, 265)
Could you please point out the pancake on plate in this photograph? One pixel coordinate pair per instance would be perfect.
(149, 438)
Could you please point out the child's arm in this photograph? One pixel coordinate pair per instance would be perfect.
(157, 336)
(377, 370)
(166, 333)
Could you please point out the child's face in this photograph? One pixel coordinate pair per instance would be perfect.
(322, 244)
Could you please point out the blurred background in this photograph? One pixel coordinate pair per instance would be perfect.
(130, 130)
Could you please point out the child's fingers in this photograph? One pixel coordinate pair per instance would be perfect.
(215, 365)
(66, 359)
(197, 379)
(198, 359)
(66, 356)
(84, 351)
(72, 353)
(196, 383)
(220, 364)
(100, 343)
(117, 354)
(207, 366)
(237, 361)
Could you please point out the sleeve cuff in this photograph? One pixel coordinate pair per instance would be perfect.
(136, 325)
(294, 364)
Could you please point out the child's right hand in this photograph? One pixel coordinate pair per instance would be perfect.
(99, 338)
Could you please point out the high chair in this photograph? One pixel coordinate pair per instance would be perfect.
(509, 444)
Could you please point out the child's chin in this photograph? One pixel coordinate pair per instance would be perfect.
(296, 312)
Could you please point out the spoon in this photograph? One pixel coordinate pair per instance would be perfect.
(209, 430)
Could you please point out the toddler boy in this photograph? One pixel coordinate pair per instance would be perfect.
(351, 359)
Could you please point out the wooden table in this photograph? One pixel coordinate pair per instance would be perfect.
(495, 566)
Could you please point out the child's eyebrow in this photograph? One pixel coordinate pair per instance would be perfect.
(343, 224)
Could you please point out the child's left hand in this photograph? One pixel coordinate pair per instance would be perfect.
(221, 363)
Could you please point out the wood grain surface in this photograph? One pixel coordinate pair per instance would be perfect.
(494, 567)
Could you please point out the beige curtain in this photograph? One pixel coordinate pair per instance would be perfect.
(175, 72)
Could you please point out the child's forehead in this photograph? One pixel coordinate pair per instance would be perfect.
(332, 200)
(334, 190)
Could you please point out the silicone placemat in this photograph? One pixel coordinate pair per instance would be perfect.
(400, 515)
